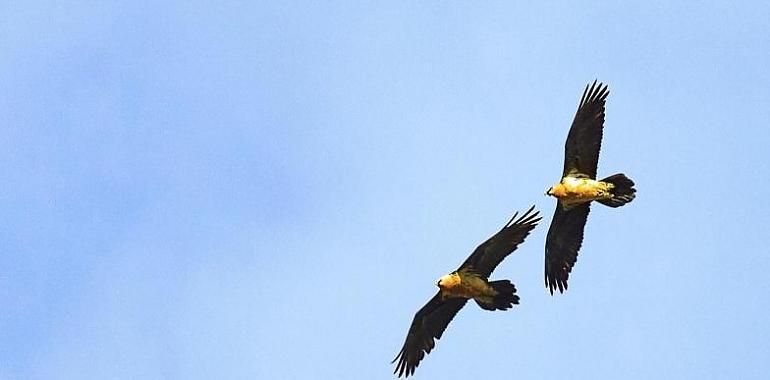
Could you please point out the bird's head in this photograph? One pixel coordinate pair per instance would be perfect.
(558, 191)
(448, 281)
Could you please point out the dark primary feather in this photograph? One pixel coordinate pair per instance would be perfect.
(581, 151)
(489, 254)
(428, 323)
(565, 236)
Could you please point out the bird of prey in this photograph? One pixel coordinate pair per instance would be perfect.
(470, 281)
(578, 187)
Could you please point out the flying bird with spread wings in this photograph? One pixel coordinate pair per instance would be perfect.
(578, 187)
(470, 281)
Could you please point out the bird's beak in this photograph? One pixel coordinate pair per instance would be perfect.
(548, 192)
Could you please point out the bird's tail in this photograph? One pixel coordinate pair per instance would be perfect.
(622, 192)
(505, 299)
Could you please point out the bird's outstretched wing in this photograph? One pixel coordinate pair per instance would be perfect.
(489, 254)
(581, 151)
(428, 323)
(565, 236)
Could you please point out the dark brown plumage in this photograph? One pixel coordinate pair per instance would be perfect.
(584, 141)
(432, 319)
(581, 157)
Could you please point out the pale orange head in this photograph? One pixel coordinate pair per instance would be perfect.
(449, 281)
(558, 191)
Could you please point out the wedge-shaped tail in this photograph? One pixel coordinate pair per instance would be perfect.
(505, 299)
(622, 193)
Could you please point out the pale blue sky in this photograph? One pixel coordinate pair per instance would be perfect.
(236, 190)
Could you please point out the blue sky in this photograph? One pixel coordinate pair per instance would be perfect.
(238, 190)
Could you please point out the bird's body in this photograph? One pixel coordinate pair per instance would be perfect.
(573, 191)
(468, 282)
(579, 187)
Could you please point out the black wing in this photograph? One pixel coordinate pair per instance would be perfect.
(428, 323)
(489, 254)
(565, 236)
(581, 151)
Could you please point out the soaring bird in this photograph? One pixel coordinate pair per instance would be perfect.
(470, 281)
(578, 187)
